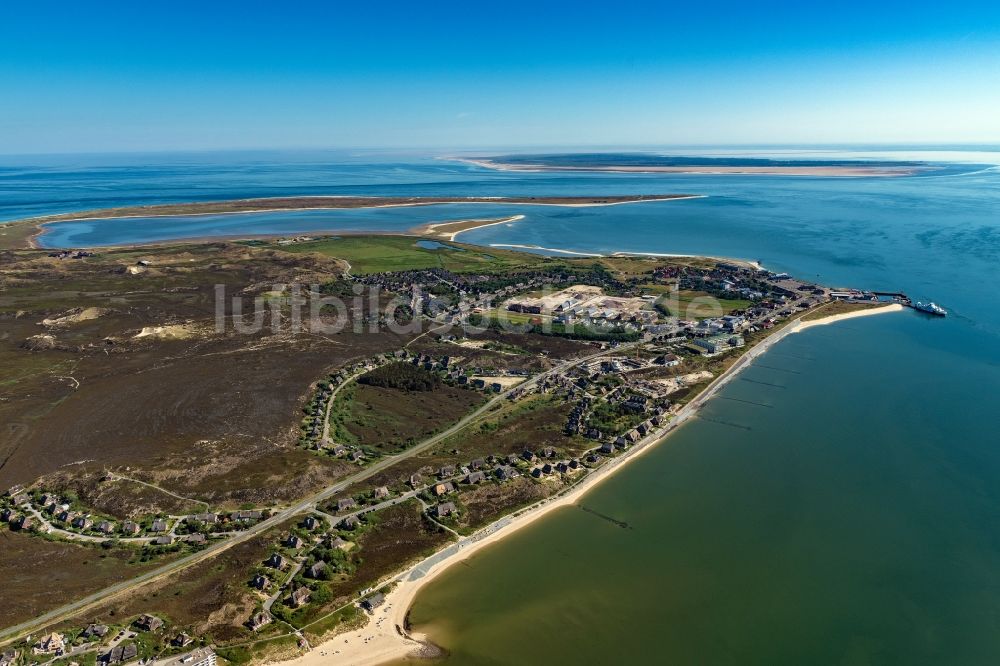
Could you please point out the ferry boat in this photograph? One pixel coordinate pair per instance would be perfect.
(931, 308)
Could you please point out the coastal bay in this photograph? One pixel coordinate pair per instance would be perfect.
(16, 232)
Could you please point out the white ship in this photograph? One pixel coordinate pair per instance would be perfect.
(931, 308)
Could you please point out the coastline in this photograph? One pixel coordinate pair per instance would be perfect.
(224, 238)
(574, 253)
(756, 265)
(743, 262)
(422, 231)
(41, 225)
(384, 637)
(442, 229)
(694, 169)
(832, 319)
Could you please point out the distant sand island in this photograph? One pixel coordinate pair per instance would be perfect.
(652, 163)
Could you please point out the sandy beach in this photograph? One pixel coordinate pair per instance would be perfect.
(384, 638)
(741, 262)
(449, 230)
(515, 246)
(695, 169)
(832, 319)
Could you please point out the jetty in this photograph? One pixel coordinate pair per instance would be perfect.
(860, 296)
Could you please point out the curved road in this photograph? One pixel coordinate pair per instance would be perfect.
(18, 631)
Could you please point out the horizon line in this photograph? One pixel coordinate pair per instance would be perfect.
(568, 148)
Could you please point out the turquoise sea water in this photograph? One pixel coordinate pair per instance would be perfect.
(851, 520)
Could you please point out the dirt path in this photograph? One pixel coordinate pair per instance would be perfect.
(121, 477)
(65, 612)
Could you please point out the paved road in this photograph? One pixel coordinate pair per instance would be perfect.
(65, 612)
(335, 519)
(13, 633)
(329, 403)
(689, 410)
(281, 587)
(49, 528)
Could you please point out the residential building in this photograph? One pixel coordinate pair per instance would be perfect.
(53, 643)
(148, 622)
(120, 654)
(259, 621)
(716, 344)
(445, 509)
(505, 472)
(299, 597)
(373, 602)
(98, 630)
(444, 488)
(203, 656)
(317, 569)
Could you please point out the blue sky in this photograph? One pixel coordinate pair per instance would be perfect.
(212, 75)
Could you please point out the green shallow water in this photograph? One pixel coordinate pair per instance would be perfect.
(853, 523)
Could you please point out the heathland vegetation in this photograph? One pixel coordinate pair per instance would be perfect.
(290, 471)
(401, 376)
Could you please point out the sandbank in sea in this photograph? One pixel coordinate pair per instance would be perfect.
(823, 171)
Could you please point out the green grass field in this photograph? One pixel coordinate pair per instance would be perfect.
(700, 304)
(376, 254)
(502, 314)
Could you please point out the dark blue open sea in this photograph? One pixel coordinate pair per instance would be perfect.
(854, 520)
